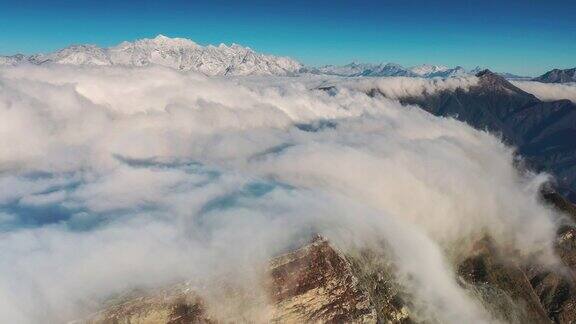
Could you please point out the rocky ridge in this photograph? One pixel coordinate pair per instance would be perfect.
(558, 76)
(318, 283)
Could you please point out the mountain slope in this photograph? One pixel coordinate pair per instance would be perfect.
(12, 60)
(558, 76)
(319, 283)
(178, 53)
(542, 131)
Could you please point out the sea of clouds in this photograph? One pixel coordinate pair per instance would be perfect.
(113, 178)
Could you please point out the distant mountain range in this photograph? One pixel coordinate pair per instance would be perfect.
(178, 53)
(186, 55)
(388, 69)
(392, 69)
(558, 76)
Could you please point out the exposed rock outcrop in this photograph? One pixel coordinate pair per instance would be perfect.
(497, 281)
(315, 283)
(557, 289)
(318, 283)
(172, 305)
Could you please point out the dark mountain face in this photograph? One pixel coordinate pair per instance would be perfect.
(543, 132)
(558, 76)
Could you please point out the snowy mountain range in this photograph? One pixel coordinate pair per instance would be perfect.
(388, 69)
(178, 53)
(392, 69)
(236, 60)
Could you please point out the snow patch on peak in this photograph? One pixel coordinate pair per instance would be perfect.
(355, 69)
(161, 37)
(426, 69)
(12, 59)
(164, 41)
(390, 69)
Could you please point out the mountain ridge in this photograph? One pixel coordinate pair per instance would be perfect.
(317, 282)
(179, 53)
(558, 76)
(356, 69)
(542, 131)
(236, 60)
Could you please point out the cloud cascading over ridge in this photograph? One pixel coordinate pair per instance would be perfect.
(549, 91)
(402, 87)
(112, 178)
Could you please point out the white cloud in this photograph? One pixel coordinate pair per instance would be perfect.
(548, 91)
(403, 87)
(151, 175)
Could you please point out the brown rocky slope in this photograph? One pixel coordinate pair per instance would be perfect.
(318, 283)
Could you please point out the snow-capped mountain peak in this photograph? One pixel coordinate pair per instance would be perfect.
(79, 55)
(161, 41)
(179, 53)
(355, 69)
(426, 69)
(389, 69)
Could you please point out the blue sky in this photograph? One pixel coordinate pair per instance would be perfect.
(525, 37)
